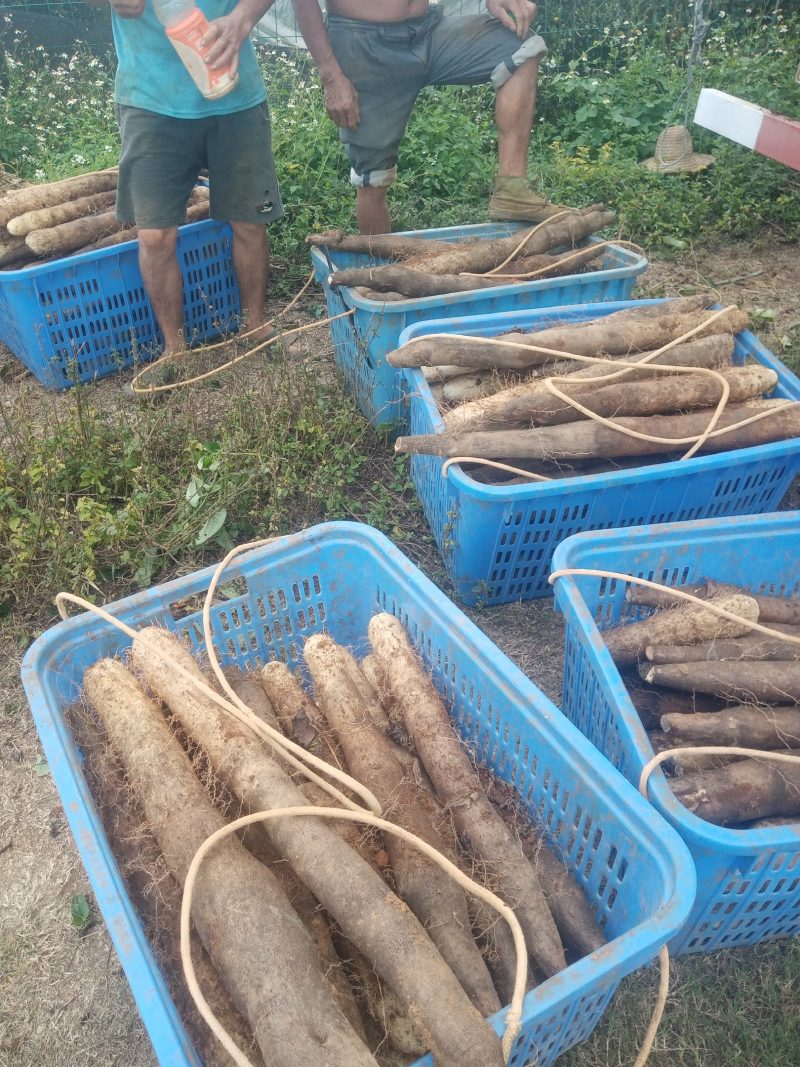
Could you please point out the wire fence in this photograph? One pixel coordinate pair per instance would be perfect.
(571, 27)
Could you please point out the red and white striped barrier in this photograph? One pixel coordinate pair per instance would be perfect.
(754, 127)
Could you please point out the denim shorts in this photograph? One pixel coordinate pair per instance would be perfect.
(389, 63)
(162, 157)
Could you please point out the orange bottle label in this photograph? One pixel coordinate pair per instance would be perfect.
(186, 36)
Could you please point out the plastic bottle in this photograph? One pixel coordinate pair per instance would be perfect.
(185, 25)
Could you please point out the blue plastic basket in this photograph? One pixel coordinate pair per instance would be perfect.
(83, 318)
(748, 881)
(363, 341)
(497, 541)
(335, 577)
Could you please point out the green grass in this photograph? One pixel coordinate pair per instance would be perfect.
(737, 1008)
(101, 499)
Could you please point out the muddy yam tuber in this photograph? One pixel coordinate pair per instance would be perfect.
(433, 895)
(238, 904)
(458, 786)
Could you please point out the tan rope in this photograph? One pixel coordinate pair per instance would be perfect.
(524, 241)
(658, 1010)
(514, 1014)
(496, 465)
(169, 387)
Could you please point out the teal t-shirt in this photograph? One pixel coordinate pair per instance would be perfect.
(151, 75)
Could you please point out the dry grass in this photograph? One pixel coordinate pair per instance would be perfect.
(63, 998)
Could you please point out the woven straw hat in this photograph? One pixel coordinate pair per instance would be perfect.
(675, 154)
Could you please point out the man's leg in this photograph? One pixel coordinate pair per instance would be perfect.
(515, 107)
(372, 210)
(244, 192)
(251, 263)
(162, 280)
(387, 66)
(470, 49)
(161, 157)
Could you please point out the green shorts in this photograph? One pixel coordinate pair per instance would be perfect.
(389, 63)
(162, 157)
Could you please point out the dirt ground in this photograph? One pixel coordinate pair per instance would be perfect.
(64, 1001)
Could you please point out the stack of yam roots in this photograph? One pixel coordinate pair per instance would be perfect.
(43, 222)
(418, 267)
(528, 405)
(699, 679)
(321, 940)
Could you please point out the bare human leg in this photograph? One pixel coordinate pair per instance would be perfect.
(372, 210)
(162, 280)
(251, 263)
(515, 106)
(513, 197)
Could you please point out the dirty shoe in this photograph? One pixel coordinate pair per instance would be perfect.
(515, 198)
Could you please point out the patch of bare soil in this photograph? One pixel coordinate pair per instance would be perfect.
(762, 277)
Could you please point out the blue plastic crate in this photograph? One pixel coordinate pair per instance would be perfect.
(363, 341)
(88, 316)
(497, 541)
(334, 578)
(748, 881)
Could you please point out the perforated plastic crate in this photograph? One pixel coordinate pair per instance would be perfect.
(334, 578)
(748, 881)
(88, 316)
(363, 341)
(497, 541)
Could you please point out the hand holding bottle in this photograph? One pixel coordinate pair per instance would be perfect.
(188, 28)
(223, 42)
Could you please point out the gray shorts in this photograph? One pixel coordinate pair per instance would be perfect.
(162, 157)
(390, 62)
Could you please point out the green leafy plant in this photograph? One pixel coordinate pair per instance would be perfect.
(81, 913)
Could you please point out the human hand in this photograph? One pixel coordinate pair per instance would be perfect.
(127, 9)
(516, 15)
(341, 100)
(223, 39)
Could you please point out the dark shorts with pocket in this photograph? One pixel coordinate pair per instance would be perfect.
(389, 63)
(162, 157)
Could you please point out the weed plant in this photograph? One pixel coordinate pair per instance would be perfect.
(96, 495)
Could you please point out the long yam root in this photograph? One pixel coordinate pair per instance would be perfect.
(459, 787)
(757, 647)
(745, 790)
(775, 682)
(770, 608)
(685, 624)
(744, 727)
(238, 903)
(36, 197)
(633, 331)
(659, 396)
(581, 440)
(501, 408)
(433, 895)
(156, 894)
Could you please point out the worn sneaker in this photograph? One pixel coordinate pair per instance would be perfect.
(516, 198)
